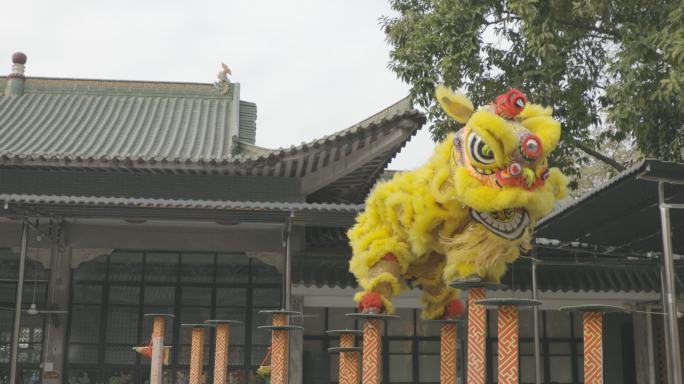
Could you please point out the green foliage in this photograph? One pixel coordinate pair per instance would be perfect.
(612, 70)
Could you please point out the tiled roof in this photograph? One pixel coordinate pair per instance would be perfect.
(132, 125)
(84, 121)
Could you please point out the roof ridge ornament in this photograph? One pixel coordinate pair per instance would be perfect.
(15, 83)
(223, 84)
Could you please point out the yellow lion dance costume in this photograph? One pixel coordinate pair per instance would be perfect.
(463, 215)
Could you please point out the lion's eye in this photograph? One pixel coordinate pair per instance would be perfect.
(479, 150)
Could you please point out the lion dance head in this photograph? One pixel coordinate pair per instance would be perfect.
(500, 160)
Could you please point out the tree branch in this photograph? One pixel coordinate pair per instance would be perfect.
(603, 158)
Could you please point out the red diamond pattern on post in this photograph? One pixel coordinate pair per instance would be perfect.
(371, 351)
(593, 348)
(508, 344)
(447, 365)
(477, 334)
(279, 351)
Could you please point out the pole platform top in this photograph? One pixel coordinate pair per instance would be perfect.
(371, 316)
(200, 325)
(457, 321)
(516, 302)
(169, 315)
(281, 327)
(594, 308)
(344, 349)
(280, 312)
(229, 322)
(335, 332)
(466, 284)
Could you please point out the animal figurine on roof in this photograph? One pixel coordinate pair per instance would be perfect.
(463, 215)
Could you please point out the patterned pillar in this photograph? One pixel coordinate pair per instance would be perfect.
(508, 344)
(197, 355)
(349, 361)
(279, 353)
(372, 344)
(221, 354)
(447, 367)
(477, 337)
(157, 350)
(593, 347)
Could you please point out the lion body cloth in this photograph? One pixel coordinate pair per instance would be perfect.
(463, 215)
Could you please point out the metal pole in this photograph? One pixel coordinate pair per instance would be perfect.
(17, 309)
(670, 293)
(287, 284)
(535, 313)
(668, 340)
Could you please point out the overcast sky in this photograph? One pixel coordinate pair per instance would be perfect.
(312, 66)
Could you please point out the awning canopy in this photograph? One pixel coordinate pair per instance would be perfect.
(623, 214)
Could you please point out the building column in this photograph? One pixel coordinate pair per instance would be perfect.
(54, 340)
(642, 356)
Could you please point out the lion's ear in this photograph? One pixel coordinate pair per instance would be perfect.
(458, 106)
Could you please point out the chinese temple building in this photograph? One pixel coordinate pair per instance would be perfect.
(135, 197)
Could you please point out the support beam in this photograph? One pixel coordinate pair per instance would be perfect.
(17, 308)
(535, 314)
(287, 276)
(670, 292)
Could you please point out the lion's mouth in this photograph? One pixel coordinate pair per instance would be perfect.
(508, 223)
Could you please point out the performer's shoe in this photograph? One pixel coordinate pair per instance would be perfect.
(371, 303)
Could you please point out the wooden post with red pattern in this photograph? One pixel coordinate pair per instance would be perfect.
(448, 353)
(280, 350)
(593, 347)
(372, 344)
(372, 351)
(508, 344)
(592, 326)
(349, 355)
(477, 337)
(197, 336)
(157, 362)
(221, 349)
(508, 335)
(280, 343)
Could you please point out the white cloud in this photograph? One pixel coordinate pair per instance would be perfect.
(313, 67)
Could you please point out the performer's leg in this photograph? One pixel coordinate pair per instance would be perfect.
(439, 300)
(382, 281)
